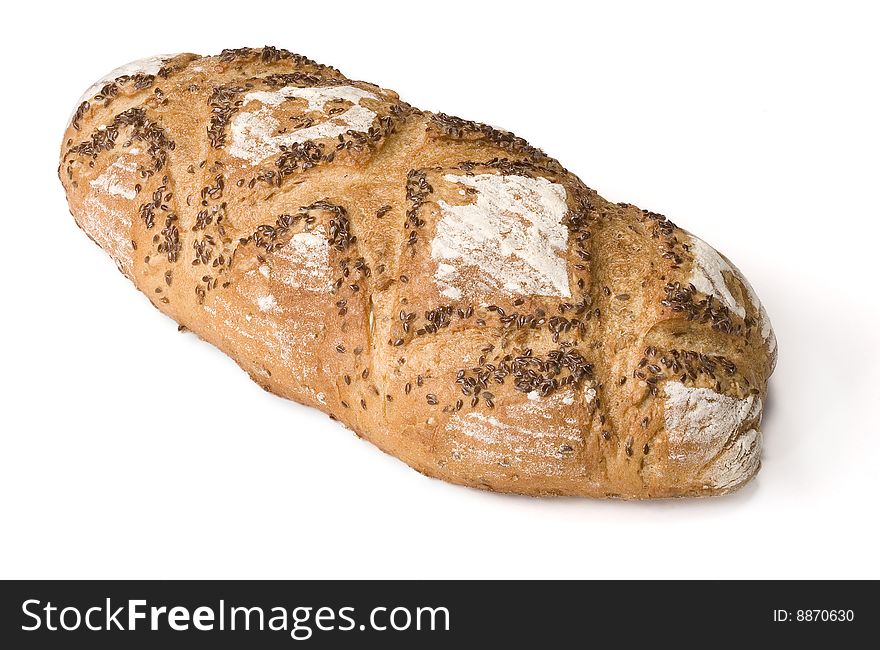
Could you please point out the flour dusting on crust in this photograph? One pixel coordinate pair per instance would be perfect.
(149, 65)
(255, 134)
(268, 303)
(707, 275)
(445, 277)
(512, 235)
(527, 434)
(110, 228)
(767, 333)
(700, 423)
(736, 463)
(113, 180)
(304, 262)
(486, 439)
(490, 430)
(539, 406)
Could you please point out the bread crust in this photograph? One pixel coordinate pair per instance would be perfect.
(449, 292)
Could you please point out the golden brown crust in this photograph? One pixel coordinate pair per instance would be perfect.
(232, 193)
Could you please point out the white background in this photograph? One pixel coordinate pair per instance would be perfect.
(757, 127)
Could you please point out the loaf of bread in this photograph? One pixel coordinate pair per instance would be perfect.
(443, 288)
